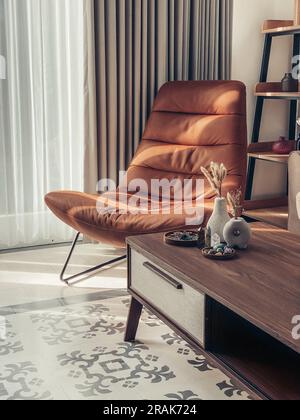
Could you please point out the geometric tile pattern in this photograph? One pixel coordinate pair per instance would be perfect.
(19, 382)
(77, 351)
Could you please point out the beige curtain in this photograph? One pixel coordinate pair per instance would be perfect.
(141, 44)
(90, 113)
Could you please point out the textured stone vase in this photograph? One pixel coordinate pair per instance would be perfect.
(298, 204)
(218, 220)
(237, 233)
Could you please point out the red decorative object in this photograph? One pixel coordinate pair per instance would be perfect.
(283, 146)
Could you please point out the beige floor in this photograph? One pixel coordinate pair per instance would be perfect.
(41, 268)
(59, 342)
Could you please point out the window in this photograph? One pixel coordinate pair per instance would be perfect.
(41, 115)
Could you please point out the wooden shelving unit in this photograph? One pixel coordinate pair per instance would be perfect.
(274, 212)
(264, 151)
(273, 90)
(280, 27)
(279, 95)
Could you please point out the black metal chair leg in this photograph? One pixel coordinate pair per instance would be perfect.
(90, 270)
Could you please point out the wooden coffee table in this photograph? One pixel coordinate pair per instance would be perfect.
(239, 312)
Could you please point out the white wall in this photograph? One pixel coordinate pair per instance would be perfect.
(248, 44)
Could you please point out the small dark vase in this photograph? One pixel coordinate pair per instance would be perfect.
(289, 84)
(283, 146)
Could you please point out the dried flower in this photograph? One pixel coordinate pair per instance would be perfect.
(234, 199)
(215, 176)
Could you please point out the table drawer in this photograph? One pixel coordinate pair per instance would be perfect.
(180, 303)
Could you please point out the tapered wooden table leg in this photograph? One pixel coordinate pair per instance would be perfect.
(134, 316)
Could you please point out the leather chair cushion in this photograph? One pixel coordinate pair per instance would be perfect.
(192, 124)
(194, 130)
(187, 160)
(80, 211)
(148, 174)
(202, 97)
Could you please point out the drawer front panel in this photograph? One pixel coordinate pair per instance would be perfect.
(180, 303)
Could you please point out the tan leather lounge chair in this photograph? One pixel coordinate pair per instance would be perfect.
(191, 124)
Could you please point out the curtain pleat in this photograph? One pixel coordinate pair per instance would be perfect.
(128, 147)
(141, 44)
(90, 98)
(121, 64)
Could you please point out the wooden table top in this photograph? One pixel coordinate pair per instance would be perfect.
(262, 285)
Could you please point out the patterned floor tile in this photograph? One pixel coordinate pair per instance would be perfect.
(77, 352)
(20, 381)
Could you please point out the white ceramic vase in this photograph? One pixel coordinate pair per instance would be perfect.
(298, 204)
(218, 220)
(237, 233)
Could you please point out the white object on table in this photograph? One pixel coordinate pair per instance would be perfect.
(298, 204)
(2, 67)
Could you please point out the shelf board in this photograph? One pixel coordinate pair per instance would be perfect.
(275, 216)
(270, 157)
(273, 90)
(284, 30)
(279, 95)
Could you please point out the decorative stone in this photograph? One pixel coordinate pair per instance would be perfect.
(228, 251)
(220, 247)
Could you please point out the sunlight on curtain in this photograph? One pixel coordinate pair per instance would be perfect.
(41, 115)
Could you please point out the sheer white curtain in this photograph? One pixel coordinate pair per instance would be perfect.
(42, 112)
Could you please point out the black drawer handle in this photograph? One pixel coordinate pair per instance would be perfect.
(163, 275)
